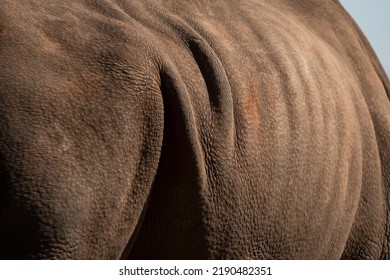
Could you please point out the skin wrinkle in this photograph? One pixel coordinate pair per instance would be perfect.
(182, 34)
(200, 130)
(233, 126)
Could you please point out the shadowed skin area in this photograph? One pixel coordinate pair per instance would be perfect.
(191, 130)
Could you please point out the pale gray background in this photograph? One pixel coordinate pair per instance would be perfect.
(373, 17)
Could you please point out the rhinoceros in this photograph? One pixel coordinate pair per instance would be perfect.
(201, 129)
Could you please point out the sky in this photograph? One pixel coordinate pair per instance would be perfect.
(373, 17)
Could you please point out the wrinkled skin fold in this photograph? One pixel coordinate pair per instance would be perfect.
(191, 130)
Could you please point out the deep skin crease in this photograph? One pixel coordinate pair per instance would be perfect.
(246, 129)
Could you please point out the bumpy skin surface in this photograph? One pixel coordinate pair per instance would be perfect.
(191, 129)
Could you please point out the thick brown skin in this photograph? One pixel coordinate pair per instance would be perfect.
(191, 130)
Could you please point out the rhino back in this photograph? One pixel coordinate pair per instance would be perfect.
(242, 129)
